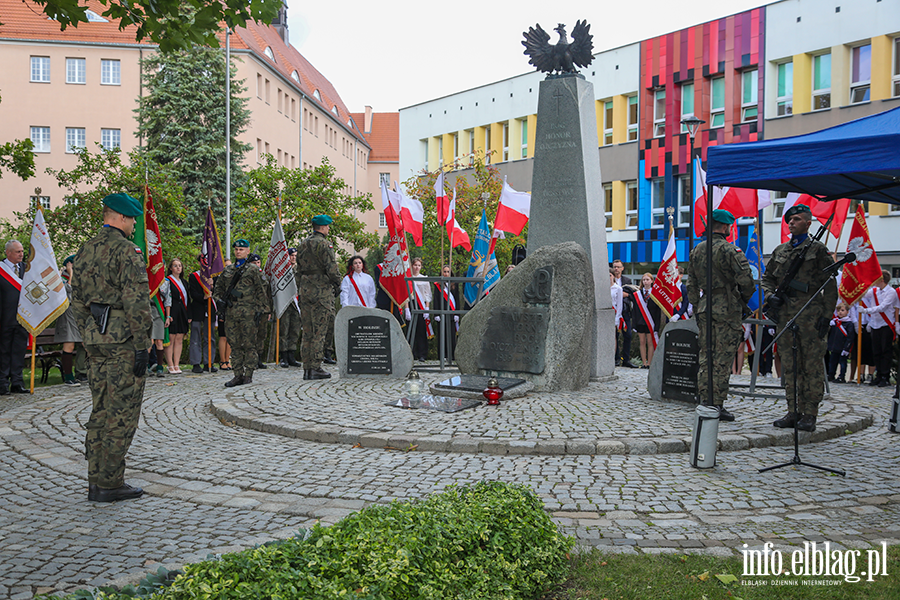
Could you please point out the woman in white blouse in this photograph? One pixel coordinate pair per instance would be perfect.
(357, 287)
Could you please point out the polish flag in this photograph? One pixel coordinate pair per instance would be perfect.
(457, 235)
(513, 210)
(740, 202)
(822, 211)
(442, 200)
(666, 292)
(412, 214)
(390, 204)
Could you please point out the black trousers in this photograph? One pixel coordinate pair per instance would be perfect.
(623, 348)
(420, 339)
(12, 356)
(883, 351)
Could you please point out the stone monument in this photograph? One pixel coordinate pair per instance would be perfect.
(676, 362)
(369, 342)
(536, 323)
(567, 201)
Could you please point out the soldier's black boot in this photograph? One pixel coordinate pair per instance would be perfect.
(284, 360)
(248, 377)
(306, 373)
(291, 360)
(786, 421)
(725, 414)
(319, 373)
(328, 360)
(238, 379)
(261, 365)
(807, 423)
(93, 490)
(123, 492)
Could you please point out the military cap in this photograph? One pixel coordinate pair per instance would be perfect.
(796, 210)
(242, 243)
(292, 251)
(124, 205)
(254, 258)
(69, 259)
(320, 220)
(720, 215)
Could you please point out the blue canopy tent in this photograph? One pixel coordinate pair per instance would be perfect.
(859, 159)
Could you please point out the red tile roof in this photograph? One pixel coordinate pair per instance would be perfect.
(384, 138)
(23, 20)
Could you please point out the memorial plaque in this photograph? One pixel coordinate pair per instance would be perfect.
(369, 345)
(681, 363)
(514, 339)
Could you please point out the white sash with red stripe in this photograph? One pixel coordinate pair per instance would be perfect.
(362, 301)
(422, 307)
(9, 273)
(749, 344)
(645, 312)
(179, 285)
(448, 298)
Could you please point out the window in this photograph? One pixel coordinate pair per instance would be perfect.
(44, 201)
(93, 17)
(785, 99)
(687, 103)
(657, 202)
(749, 95)
(685, 200)
(74, 138)
(487, 145)
(317, 95)
(268, 92)
(896, 77)
(631, 205)
(40, 137)
(524, 138)
(505, 142)
(854, 204)
(40, 69)
(110, 72)
(335, 110)
(455, 146)
(295, 76)
(111, 139)
(632, 118)
(259, 85)
(821, 94)
(385, 179)
(717, 102)
(608, 203)
(382, 222)
(608, 123)
(659, 113)
(860, 73)
(75, 70)
(268, 52)
(778, 199)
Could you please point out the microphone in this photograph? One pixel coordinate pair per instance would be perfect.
(833, 268)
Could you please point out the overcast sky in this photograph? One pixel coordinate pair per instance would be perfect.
(390, 54)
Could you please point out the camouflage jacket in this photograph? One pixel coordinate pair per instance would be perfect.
(732, 283)
(810, 277)
(316, 262)
(111, 270)
(251, 295)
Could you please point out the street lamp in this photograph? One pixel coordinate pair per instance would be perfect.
(692, 124)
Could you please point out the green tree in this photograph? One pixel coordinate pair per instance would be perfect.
(305, 193)
(96, 175)
(471, 183)
(17, 157)
(181, 120)
(173, 24)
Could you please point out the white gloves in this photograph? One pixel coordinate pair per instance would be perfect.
(438, 318)
(407, 314)
(674, 318)
(845, 353)
(456, 319)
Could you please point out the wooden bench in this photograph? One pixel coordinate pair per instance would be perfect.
(46, 357)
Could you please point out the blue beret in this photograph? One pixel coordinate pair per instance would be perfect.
(292, 251)
(254, 258)
(721, 215)
(124, 205)
(796, 210)
(320, 220)
(240, 244)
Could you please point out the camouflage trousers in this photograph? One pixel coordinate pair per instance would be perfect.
(289, 329)
(810, 368)
(117, 396)
(727, 334)
(243, 335)
(261, 333)
(316, 318)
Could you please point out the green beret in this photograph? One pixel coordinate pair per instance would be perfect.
(69, 259)
(124, 205)
(240, 244)
(796, 210)
(320, 220)
(721, 215)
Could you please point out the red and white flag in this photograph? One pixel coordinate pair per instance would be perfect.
(859, 275)
(666, 292)
(822, 211)
(457, 235)
(442, 200)
(412, 214)
(740, 202)
(513, 211)
(395, 268)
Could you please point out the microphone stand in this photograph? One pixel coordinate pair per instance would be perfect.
(792, 326)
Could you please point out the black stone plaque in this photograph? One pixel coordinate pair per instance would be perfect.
(369, 345)
(681, 363)
(477, 383)
(514, 340)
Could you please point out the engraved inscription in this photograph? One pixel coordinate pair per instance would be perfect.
(681, 363)
(369, 346)
(538, 291)
(515, 339)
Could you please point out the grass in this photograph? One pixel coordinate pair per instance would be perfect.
(55, 377)
(598, 576)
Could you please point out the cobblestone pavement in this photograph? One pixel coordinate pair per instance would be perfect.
(305, 451)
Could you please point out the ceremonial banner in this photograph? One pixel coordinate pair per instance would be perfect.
(43, 294)
(211, 262)
(859, 275)
(280, 273)
(146, 237)
(457, 235)
(666, 292)
(756, 266)
(395, 267)
(479, 263)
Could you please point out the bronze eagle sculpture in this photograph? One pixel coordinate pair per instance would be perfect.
(562, 57)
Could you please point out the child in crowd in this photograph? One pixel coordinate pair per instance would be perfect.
(841, 337)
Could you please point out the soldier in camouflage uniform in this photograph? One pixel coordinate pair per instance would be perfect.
(732, 286)
(263, 321)
(110, 288)
(319, 277)
(246, 304)
(812, 324)
(289, 325)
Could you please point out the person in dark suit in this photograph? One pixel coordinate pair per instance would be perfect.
(198, 351)
(623, 340)
(14, 336)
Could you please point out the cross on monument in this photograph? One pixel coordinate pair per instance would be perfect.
(557, 94)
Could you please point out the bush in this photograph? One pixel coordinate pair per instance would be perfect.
(490, 540)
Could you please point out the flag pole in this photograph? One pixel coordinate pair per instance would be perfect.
(278, 319)
(33, 347)
(858, 348)
(209, 354)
